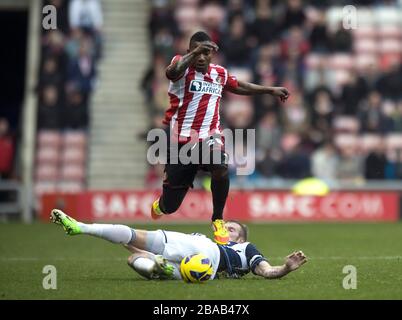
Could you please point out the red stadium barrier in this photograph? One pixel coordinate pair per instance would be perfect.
(243, 205)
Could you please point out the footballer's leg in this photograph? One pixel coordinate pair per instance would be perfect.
(217, 165)
(149, 265)
(151, 241)
(177, 181)
(115, 233)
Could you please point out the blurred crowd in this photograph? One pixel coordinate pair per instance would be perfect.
(68, 64)
(343, 120)
(68, 73)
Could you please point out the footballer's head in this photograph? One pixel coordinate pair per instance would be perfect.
(204, 59)
(238, 232)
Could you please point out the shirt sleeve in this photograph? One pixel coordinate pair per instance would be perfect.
(174, 60)
(231, 82)
(253, 256)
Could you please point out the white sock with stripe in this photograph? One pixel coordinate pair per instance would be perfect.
(116, 233)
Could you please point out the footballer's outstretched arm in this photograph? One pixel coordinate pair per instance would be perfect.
(176, 69)
(292, 263)
(247, 89)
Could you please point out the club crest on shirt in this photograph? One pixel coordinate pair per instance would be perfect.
(205, 87)
(219, 79)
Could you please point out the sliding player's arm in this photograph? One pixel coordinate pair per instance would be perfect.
(292, 263)
(247, 89)
(177, 68)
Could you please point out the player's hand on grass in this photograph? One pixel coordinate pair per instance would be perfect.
(295, 260)
(206, 46)
(281, 92)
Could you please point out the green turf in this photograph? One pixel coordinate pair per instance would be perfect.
(90, 268)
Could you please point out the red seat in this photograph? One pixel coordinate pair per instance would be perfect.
(75, 139)
(346, 124)
(73, 156)
(393, 143)
(49, 138)
(46, 172)
(48, 155)
(70, 186)
(72, 173)
(370, 142)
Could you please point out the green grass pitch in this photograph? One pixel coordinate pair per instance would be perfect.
(90, 268)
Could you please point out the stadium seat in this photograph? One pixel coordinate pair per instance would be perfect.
(70, 186)
(46, 173)
(393, 143)
(48, 155)
(387, 16)
(366, 46)
(364, 60)
(314, 61)
(74, 139)
(49, 138)
(346, 124)
(72, 173)
(370, 142)
(390, 46)
(365, 17)
(341, 61)
(347, 141)
(42, 187)
(390, 31)
(365, 32)
(73, 156)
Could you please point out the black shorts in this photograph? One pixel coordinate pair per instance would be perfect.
(199, 156)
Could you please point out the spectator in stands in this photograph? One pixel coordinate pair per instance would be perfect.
(372, 118)
(75, 111)
(263, 28)
(72, 47)
(163, 44)
(390, 83)
(295, 163)
(50, 74)
(375, 163)
(236, 44)
(294, 15)
(319, 38)
(268, 133)
(295, 116)
(351, 165)
(322, 113)
(162, 17)
(81, 70)
(49, 109)
(353, 92)
(342, 40)
(324, 162)
(86, 14)
(6, 149)
(397, 117)
(53, 47)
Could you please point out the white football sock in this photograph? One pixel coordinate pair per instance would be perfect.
(116, 233)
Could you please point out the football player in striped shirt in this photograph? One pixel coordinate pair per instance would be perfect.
(195, 92)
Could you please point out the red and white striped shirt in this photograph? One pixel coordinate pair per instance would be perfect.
(194, 101)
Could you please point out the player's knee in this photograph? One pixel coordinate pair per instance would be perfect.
(130, 259)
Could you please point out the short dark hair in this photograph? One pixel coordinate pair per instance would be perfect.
(243, 229)
(199, 36)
